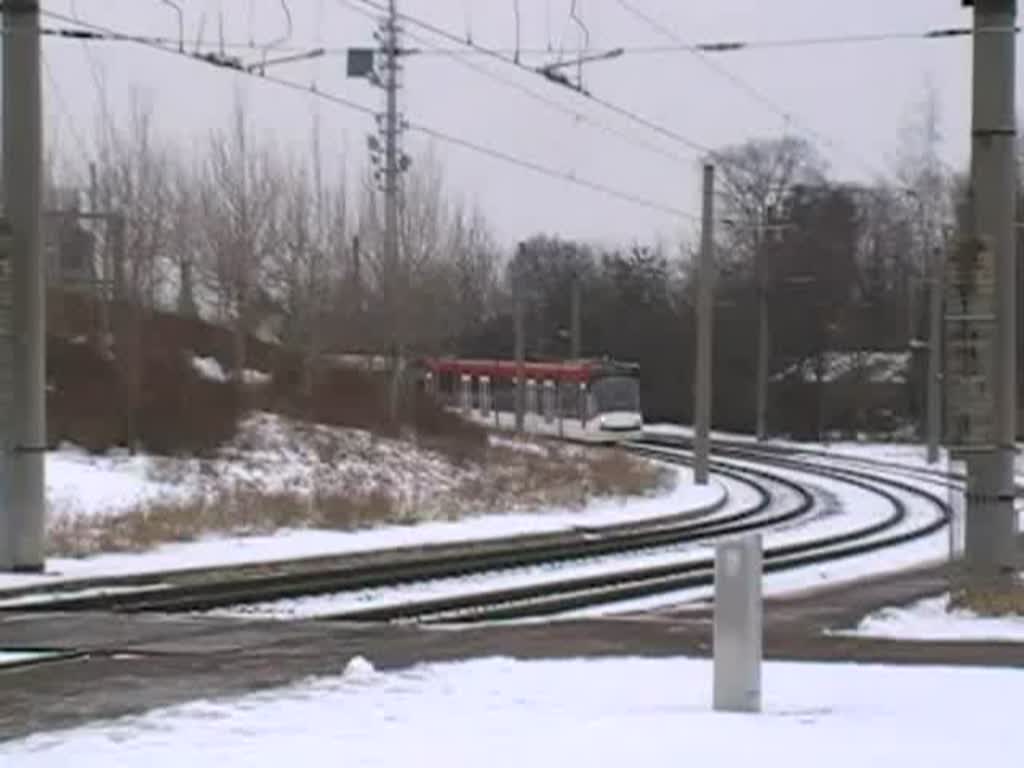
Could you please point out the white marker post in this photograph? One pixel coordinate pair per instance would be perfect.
(738, 625)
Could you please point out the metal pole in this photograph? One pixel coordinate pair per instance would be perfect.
(22, 168)
(520, 393)
(991, 536)
(705, 333)
(391, 173)
(391, 138)
(577, 328)
(935, 357)
(762, 333)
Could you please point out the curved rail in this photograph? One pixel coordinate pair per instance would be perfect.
(581, 592)
(417, 564)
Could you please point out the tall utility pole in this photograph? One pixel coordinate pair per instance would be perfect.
(390, 43)
(762, 331)
(577, 327)
(520, 351)
(705, 333)
(388, 142)
(762, 229)
(22, 478)
(934, 404)
(991, 535)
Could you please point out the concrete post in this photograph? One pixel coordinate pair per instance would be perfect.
(990, 545)
(738, 625)
(24, 495)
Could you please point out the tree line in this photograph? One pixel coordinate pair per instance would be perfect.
(254, 238)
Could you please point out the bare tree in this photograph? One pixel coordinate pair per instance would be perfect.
(308, 268)
(755, 179)
(927, 189)
(133, 183)
(474, 263)
(133, 179)
(241, 198)
(185, 242)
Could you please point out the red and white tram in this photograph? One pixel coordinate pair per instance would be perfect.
(584, 399)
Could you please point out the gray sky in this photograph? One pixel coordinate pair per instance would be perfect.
(857, 96)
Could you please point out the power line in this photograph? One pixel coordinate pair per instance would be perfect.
(546, 101)
(711, 47)
(62, 106)
(737, 81)
(739, 46)
(424, 129)
(704, 58)
(495, 54)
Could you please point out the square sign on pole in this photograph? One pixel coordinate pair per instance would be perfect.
(738, 625)
(360, 62)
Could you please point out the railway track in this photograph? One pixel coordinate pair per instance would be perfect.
(631, 583)
(215, 588)
(257, 585)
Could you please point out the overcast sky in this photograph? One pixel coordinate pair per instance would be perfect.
(856, 96)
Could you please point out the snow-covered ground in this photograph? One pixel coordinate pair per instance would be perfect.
(210, 369)
(686, 432)
(129, 476)
(930, 619)
(906, 454)
(11, 658)
(596, 713)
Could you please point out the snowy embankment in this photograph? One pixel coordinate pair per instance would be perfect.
(601, 713)
(931, 620)
(425, 496)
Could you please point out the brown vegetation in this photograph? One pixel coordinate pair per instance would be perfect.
(503, 479)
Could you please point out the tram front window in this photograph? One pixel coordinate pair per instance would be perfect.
(617, 394)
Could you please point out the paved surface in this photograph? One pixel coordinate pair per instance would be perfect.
(127, 664)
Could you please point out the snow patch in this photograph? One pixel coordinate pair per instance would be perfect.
(931, 619)
(871, 366)
(209, 368)
(520, 446)
(255, 378)
(359, 669)
(10, 658)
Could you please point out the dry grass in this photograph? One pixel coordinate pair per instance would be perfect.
(504, 479)
(1006, 600)
(239, 513)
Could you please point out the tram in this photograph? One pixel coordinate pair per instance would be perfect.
(592, 400)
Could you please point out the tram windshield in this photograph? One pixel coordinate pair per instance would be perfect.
(617, 393)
